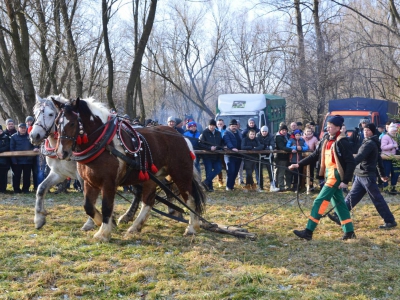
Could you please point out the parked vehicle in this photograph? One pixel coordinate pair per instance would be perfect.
(266, 109)
(355, 109)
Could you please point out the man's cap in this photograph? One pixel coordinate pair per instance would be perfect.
(299, 124)
(171, 119)
(29, 118)
(297, 131)
(264, 128)
(233, 122)
(365, 121)
(372, 127)
(336, 120)
(283, 127)
(191, 124)
(22, 125)
(178, 121)
(212, 122)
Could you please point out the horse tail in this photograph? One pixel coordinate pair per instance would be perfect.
(198, 193)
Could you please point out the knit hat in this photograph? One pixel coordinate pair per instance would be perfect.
(29, 118)
(336, 120)
(22, 125)
(297, 131)
(212, 122)
(9, 120)
(312, 123)
(372, 127)
(299, 124)
(251, 120)
(283, 127)
(171, 119)
(264, 128)
(233, 122)
(178, 121)
(365, 121)
(392, 128)
(190, 124)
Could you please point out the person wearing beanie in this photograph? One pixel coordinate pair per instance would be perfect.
(211, 140)
(268, 142)
(193, 135)
(282, 173)
(298, 145)
(251, 124)
(390, 147)
(312, 142)
(250, 160)
(179, 125)
(10, 127)
(367, 159)
(337, 164)
(4, 161)
(233, 141)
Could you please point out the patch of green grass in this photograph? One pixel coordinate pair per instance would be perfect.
(60, 261)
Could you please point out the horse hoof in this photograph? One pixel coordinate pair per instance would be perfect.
(98, 236)
(124, 219)
(39, 222)
(133, 230)
(189, 232)
(88, 226)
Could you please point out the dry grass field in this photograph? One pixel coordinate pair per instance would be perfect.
(60, 261)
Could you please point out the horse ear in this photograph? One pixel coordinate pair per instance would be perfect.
(57, 103)
(38, 99)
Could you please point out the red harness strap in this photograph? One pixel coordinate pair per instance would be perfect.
(101, 150)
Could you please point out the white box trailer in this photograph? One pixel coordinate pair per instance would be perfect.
(266, 109)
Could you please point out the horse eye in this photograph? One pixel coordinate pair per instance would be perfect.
(51, 115)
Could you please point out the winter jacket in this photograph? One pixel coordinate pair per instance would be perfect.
(267, 141)
(388, 145)
(20, 142)
(368, 157)
(232, 140)
(193, 138)
(246, 130)
(208, 139)
(343, 157)
(10, 132)
(292, 144)
(4, 146)
(280, 144)
(251, 144)
(311, 142)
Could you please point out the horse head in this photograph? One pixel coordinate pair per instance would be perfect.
(45, 113)
(78, 127)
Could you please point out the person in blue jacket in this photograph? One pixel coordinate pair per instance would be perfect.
(193, 135)
(298, 145)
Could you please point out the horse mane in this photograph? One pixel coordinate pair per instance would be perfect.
(95, 108)
(48, 102)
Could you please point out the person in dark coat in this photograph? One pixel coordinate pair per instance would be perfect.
(367, 158)
(22, 164)
(282, 173)
(211, 139)
(337, 164)
(298, 145)
(251, 160)
(268, 142)
(233, 141)
(4, 161)
(10, 127)
(251, 124)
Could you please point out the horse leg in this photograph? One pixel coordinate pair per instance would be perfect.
(90, 196)
(148, 195)
(40, 212)
(130, 213)
(194, 224)
(107, 207)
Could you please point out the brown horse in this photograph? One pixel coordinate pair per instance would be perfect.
(88, 134)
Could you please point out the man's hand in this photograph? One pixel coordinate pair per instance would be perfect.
(36, 149)
(294, 166)
(299, 148)
(342, 185)
(213, 148)
(385, 179)
(234, 149)
(294, 151)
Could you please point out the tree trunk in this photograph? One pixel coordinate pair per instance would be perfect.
(72, 47)
(137, 63)
(105, 18)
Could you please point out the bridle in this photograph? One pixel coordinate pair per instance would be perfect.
(44, 127)
(60, 122)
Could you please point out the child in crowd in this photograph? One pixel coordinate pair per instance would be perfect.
(297, 144)
(250, 143)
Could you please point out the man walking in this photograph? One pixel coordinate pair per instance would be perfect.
(367, 158)
(337, 164)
